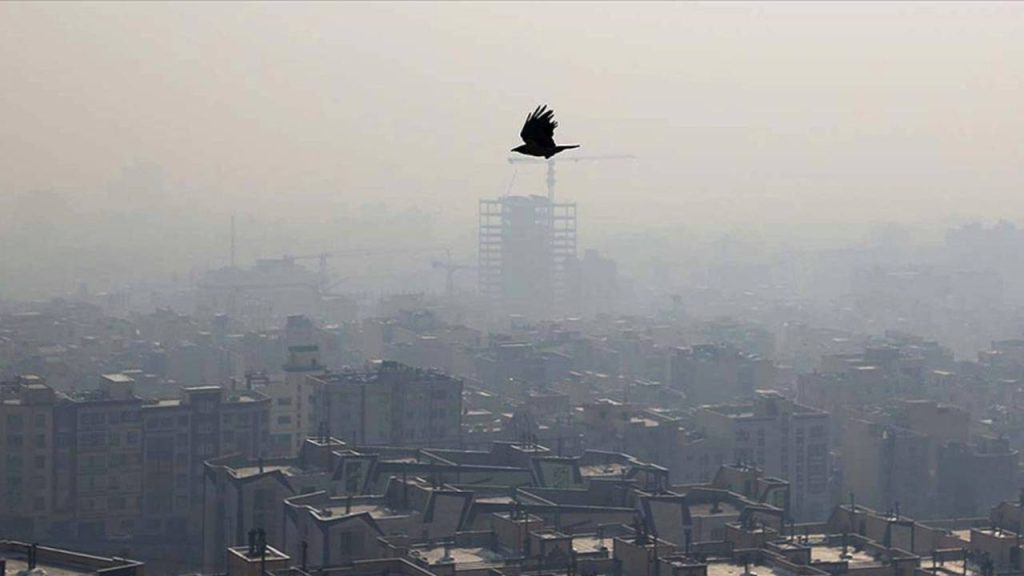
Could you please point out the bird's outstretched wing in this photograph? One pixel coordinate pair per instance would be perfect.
(539, 128)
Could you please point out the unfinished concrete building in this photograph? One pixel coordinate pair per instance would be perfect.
(525, 246)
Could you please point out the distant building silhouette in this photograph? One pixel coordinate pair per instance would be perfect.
(526, 244)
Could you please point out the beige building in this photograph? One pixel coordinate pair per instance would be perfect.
(293, 401)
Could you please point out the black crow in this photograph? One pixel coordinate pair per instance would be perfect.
(539, 134)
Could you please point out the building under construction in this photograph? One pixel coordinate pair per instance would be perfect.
(526, 245)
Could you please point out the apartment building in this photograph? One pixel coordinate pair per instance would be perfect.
(784, 439)
(106, 465)
(26, 442)
(98, 460)
(719, 372)
(241, 493)
(390, 404)
(293, 400)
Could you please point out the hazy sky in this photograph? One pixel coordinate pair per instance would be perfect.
(785, 113)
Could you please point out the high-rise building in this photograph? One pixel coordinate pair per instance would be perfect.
(887, 467)
(293, 401)
(526, 244)
(782, 438)
(99, 460)
(107, 465)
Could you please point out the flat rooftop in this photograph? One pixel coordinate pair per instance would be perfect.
(964, 535)
(494, 500)
(56, 562)
(717, 568)
(247, 471)
(950, 568)
(829, 553)
(15, 567)
(341, 509)
(468, 555)
(996, 533)
(609, 469)
(707, 509)
(590, 544)
(272, 553)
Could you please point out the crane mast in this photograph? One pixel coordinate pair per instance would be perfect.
(552, 161)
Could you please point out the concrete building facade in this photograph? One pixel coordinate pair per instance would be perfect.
(782, 438)
(390, 404)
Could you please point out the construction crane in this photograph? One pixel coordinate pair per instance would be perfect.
(323, 257)
(450, 269)
(551, 165)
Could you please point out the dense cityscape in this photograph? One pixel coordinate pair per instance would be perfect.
(264, 312)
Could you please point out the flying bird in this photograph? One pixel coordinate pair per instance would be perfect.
(538, 133)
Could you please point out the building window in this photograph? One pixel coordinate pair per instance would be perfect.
(93, 419)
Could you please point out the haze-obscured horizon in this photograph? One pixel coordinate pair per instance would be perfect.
(131, 132)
